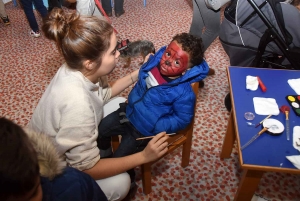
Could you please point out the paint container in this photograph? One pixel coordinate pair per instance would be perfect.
(249, 116)
(294, 102)
(275, 126)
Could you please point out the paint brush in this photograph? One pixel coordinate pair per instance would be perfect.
(262, 121)
(286, 109)
(143, 138)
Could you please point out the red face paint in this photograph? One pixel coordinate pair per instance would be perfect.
(174, 60)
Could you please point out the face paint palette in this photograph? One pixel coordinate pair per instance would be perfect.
(294, 102)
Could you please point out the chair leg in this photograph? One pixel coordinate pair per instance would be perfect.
(146, 178)
(115, 142)
(186, 152)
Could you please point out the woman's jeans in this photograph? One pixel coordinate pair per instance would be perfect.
(116, 124)
(28, 9)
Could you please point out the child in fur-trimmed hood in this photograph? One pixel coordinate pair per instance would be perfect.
(31, 169)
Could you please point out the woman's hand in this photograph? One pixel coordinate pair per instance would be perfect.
(156, 148)
(108, 167)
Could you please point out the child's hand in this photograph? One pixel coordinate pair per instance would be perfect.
(156, 148)
(147, 57)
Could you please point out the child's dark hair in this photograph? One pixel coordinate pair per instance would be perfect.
(18, 161)
(192, 45)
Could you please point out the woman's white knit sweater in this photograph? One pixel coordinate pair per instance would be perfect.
(69, 112)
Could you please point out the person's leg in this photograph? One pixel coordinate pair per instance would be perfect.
(2, 9)
(3, 14)
(211, 20)
(115, 187)
(119, 7)
(108, 127)
(116, 123)
(28, 9)
(197, 21)
(106, 5)
(85, 7)
(104, 141)
(53, 3)
(98, 14)
(205, 23)
(39, 6)
(129, 145)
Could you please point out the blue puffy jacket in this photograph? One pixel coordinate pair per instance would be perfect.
(168, 107)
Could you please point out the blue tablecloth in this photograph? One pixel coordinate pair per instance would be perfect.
(266, 150)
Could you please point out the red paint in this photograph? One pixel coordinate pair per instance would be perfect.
(174, 60)
(261, 84)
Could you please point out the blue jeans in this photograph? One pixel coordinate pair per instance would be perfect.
(115, 124)
(106, 4)
(28, 9)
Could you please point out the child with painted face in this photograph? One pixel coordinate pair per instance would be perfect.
(162, 99)
(31, 169)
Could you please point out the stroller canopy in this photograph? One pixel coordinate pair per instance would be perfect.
(244, 29)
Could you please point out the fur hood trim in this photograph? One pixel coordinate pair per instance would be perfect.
(49, 161)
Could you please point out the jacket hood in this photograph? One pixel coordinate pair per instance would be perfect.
(194, 74)
(49, 161)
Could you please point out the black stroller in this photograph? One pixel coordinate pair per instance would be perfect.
(261, 33)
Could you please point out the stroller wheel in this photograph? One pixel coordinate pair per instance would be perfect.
(227, 102)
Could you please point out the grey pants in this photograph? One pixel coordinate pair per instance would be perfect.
(207, 19)
(2, 9)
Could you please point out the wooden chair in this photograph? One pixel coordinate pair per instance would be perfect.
(183, 137)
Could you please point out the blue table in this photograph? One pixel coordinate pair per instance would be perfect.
(267, 153)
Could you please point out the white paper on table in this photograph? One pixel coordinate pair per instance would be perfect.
(295, 85)
(251, 82)
(295, 160)
(296, 137)
(265, 106)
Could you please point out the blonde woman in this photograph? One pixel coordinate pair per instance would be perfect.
(71, 108)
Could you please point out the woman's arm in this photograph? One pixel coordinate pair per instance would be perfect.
(121, 84)
(124, 82)
(108, 167)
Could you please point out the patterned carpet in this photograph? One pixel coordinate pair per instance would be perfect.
(28, 64)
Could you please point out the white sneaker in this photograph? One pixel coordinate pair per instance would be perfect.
(35, 34)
